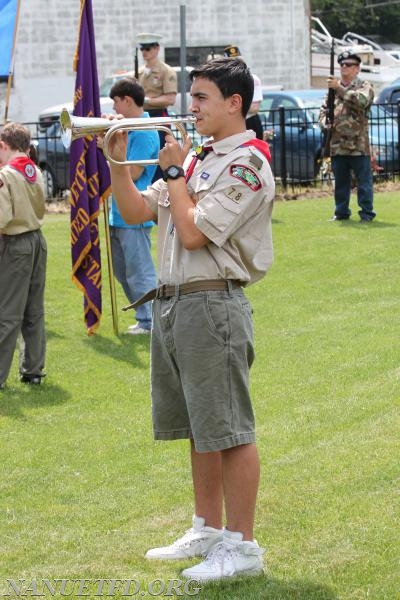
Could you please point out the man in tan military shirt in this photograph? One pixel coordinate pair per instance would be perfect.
(158, 79)
(214, 238)
(23, 255)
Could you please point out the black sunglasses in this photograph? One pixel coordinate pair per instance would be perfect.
(147, 47)
(348, 64)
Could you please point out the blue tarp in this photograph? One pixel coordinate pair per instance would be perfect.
(8, 12)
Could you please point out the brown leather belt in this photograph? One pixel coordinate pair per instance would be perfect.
(168, 291)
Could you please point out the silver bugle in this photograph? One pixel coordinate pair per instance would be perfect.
(74, 128)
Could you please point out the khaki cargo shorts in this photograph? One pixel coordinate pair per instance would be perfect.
(202, 351)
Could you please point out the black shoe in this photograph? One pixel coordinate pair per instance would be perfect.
(364, 220)
(32, 379)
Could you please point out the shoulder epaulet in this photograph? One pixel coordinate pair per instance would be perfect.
(260, 145)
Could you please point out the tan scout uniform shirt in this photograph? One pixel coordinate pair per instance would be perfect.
(22, 204)
(160, 79)
(234, 215)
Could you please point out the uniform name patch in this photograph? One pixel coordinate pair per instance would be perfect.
(247, 175)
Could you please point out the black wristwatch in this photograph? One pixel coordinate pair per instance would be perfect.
(173, 172)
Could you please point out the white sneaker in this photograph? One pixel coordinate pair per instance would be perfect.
(197, 541)
(137, 330)
(228, 558)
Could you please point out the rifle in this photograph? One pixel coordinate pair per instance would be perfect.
(136, 64)
(330, 109)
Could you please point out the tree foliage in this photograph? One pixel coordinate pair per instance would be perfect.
(339, 17)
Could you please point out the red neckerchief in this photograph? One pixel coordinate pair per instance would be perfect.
(202, 151)
(25, 166)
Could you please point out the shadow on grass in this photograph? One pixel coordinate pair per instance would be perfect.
(264, 588)
(126, 348)
(364, 225)
(16, 400)
(53, 335)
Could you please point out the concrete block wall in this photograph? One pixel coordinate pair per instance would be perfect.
(273, 36)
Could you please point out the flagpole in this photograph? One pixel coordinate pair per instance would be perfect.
(111, 277)
(11, 70)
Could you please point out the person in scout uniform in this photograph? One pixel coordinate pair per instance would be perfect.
(158, 80)
(213, 210)
(349, 146)
(23, 256)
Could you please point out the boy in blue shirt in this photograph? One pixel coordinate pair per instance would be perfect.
(131, 244)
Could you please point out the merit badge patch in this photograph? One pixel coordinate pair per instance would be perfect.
(247, 175)
(205, 175)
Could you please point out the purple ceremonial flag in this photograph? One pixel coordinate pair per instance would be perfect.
(89, 177)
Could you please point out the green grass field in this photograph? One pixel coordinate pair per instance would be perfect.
(85, 491)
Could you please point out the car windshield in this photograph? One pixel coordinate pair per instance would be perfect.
(313, 106)
(378, 115)
(53, 130)
(107, 84)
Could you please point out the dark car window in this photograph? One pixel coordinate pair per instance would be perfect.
(292, 111)
(266, 103)
(395, 96)
(285, 102)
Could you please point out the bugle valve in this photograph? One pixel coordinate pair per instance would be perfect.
(74, 128)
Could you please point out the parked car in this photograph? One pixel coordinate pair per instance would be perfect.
(303, 138)
(389, 96)
(301, 155)
(53, 160)
(384, 139)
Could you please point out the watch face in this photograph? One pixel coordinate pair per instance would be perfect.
(173, 171)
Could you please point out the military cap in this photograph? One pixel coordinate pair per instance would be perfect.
(347, 55)
(231, 51)
(148, 39)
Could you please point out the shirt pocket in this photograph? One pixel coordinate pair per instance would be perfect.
(219, 210)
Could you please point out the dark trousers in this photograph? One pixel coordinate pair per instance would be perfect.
(22, 281)
(343, 167)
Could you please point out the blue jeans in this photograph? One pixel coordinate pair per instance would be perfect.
(133, 266)
(342, 167)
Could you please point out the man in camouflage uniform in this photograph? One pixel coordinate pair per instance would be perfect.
(349, 144)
